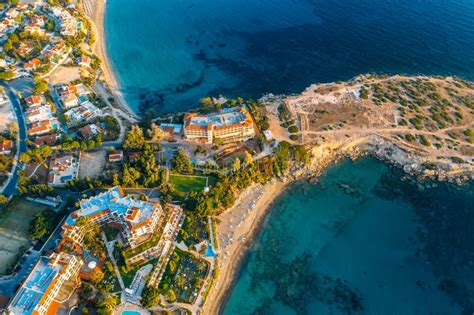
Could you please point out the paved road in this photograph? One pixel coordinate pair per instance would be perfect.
(57, 102)
(10, 188)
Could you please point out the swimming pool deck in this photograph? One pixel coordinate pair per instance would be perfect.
(130, 309)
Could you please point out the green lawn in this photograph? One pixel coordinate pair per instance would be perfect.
(15, 221)
(17, 217)
(185, 183)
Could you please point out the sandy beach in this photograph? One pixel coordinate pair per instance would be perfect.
(236, 231)
(95, 10)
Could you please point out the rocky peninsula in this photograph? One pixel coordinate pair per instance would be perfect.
(420, 124)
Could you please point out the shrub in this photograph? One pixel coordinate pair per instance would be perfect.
(364, 93)
(424, 141)
(293, 129)
(409, 138)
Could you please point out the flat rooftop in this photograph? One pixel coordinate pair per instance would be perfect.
(114, 201)
(35, 286)
(226, 117)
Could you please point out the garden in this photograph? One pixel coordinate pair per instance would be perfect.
(184, 276)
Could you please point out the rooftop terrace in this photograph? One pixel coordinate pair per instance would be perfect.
(114, 200)
(35, 287)
(226, 117)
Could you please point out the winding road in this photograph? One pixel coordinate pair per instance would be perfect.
(10, 187)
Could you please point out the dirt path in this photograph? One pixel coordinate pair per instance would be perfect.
(356, 131)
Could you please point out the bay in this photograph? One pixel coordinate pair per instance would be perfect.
(169, 54)
(364, 240)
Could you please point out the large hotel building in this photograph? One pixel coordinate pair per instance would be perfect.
(229, 125)
(47, 286)
(50, 282)
(42, 292)
(137, 218)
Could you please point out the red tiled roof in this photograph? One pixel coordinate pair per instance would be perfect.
(139, 225)
(116, 155)
(6, 145)
(47, 139)
(32, 64)
(134, 214)
(40, 127)
(87, 132)
(33, 99)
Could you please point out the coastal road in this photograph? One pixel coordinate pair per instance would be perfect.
(10, 187)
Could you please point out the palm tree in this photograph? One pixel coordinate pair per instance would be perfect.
(181, 281)
(202, 267)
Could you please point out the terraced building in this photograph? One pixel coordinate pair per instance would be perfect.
(137, 219)
(50, 282)
(228, 125)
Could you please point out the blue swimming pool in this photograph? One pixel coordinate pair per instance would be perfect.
(209, 251)
(66, 178)
(127, 312)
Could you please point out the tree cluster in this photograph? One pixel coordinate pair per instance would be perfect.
(135, 140)
(150, 297)
(223, 194)
(91, 230)
(144, 171)
(181, 162)
(106, 305)
(155, 133)
(36, 155)
(43, 224)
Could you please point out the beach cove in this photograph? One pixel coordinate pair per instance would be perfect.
(364, 239)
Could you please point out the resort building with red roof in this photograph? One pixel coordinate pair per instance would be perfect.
(228, 125)
(138, 220)
(40, 293)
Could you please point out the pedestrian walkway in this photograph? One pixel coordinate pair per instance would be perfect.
(110, 251)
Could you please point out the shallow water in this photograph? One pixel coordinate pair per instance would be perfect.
(168, 54)
(361, 241)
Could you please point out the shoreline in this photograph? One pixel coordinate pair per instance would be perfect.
(234, 251)
(322, 158)
(236, 241)
(108, 77)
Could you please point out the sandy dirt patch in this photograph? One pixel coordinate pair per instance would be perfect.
(278, 132)
(6, 116)
(92, 164)
(65, 75)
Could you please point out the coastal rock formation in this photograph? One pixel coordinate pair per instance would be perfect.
(425, 125)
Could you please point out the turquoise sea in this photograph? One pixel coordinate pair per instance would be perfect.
(364, 240)
(168, 54)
